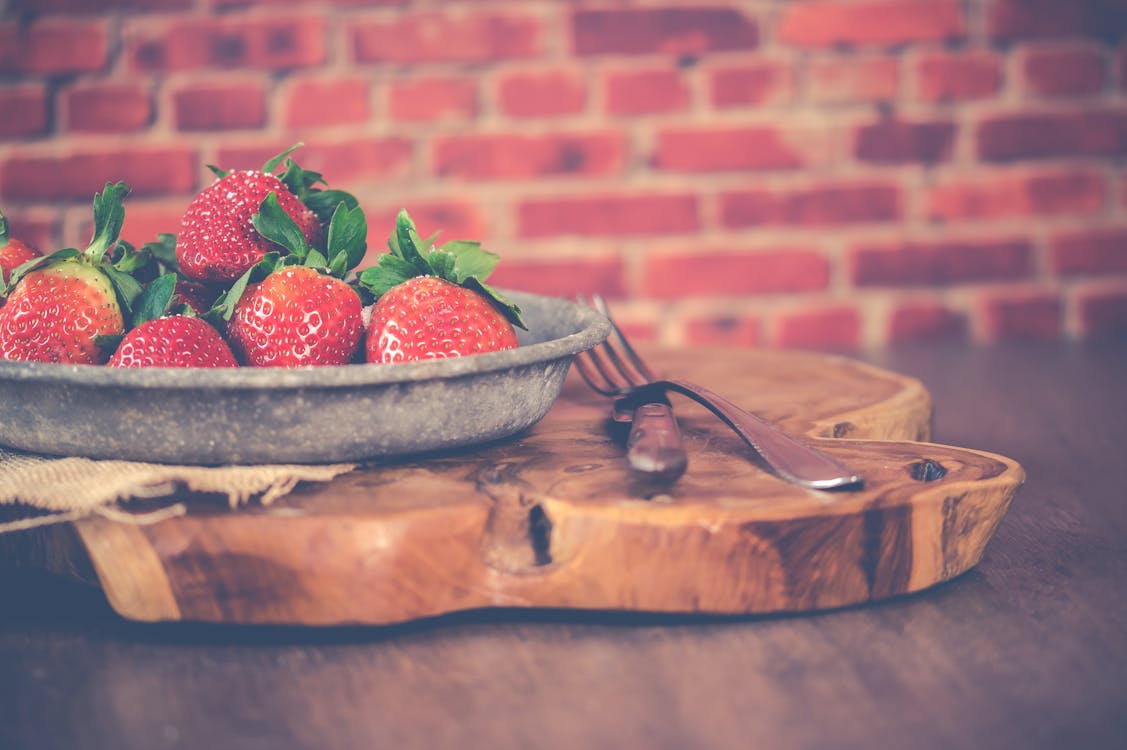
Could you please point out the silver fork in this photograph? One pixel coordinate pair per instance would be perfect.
(654, 447)
(790, 459)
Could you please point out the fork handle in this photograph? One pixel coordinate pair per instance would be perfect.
(792, 460)
(654, 448)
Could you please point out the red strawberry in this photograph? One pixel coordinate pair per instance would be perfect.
(175, 341)
(435, 305)
(60, 307)
(55, 313)
(296, 316)
(12, 252)
(430, 318)
(218, 240)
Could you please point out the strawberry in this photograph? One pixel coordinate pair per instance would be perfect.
(218, 240)
(435, 305)
(173, 341)
(62, 303)
(297, 316)
(13, 252)
(297, 309)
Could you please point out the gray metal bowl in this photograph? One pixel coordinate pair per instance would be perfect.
(302, 415)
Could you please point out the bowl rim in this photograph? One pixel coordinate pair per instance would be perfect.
(593, 329)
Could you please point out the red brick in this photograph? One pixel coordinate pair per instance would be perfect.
(1064, 71)
(257, 42)
(900, 142)
(608, 215)
(219, 106)
(97, 6)
(54, 46)
(79, 175)
(447, 37)
(143, 221)
(25, 111)
(338, 3)
(341, 162)
(1040, 19)
(38, 232)
(453, 219)
(108, 108)
(941, 263)
(541, 94)
(829, 23)
(314, 102)
(510, 155)
(561, 277)
(644, 92)
(712, 272)
(751, 84)
(921, 321)
(827, 328)
(1103, 312)
(1031, 316)
(824, 205)
(1094, 251)
(746, 331)
(671, 30)
(849, 80)
(986, 195)
(958, 76)
(1095, 132)
(716, 149)
(426, 99)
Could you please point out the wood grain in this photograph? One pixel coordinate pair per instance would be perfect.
(554, 519)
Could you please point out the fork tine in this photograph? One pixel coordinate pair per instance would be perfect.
(590, 373)
(607, 365)
(635, 361)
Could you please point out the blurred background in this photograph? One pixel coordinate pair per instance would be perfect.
(823, 174)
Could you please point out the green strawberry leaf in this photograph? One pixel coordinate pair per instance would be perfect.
(316, 260)
(155, 301)
(224, 307)
(3, 230)
(109, 215)
(324, 202)
(273, 223)
(163, 248)
(498, 300)
(408, 245)
(273, 163)
(109, 343)
(300, 181)
(348, 236)
(471, 260)
(442, 264)
(389, 272)
(127, 288)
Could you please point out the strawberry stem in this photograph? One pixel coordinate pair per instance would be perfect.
(109, 215)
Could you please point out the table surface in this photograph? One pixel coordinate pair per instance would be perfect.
(1027, 650)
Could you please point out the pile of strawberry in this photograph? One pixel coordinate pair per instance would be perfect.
(262, 273)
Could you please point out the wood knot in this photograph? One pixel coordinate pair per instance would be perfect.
(927, 470)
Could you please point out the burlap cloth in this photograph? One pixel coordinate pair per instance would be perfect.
(55, 489)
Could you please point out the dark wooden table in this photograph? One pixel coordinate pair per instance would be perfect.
(1027, 650)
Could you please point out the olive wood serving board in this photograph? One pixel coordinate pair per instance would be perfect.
(553, 518)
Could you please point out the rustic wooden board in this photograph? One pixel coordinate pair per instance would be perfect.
(553, 518)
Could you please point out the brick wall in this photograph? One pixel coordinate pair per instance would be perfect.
(797, 173)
